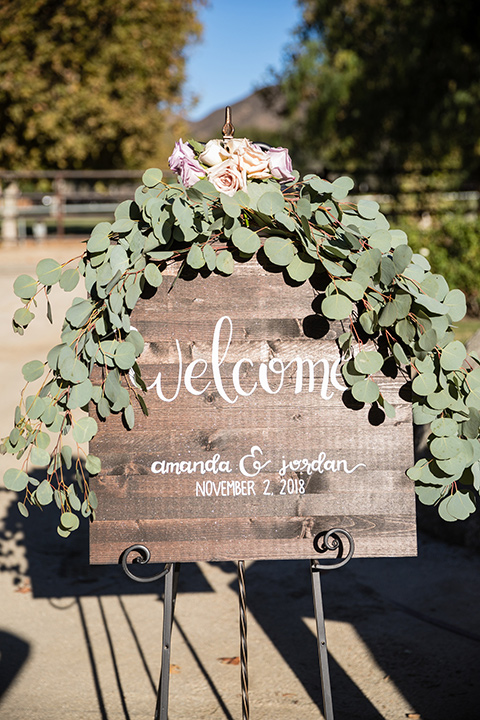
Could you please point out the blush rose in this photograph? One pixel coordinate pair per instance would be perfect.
(228, 177)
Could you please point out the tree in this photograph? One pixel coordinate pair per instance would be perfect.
(389, 84)
(89, 84)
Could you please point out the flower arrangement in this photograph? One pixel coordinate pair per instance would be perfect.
(229, 164)
(235, 200)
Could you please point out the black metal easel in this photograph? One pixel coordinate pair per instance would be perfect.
(335, 540)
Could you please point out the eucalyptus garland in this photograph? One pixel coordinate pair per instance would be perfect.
(237, 200)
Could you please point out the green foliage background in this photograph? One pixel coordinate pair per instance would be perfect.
(387, 85)
(453, 247)
(81, 80)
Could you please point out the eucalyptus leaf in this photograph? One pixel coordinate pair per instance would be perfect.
(368, 362)
(153, 275)
(84, 429)
(280, 251)
(366, 391)
(49, 271)
(337, 307)
(25, 287)
(14, 479)
(225, 262)
(33, 370)
(453, 355)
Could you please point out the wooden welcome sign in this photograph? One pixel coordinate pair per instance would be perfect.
(249, 449)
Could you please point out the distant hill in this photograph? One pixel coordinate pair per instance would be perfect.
(260, 114)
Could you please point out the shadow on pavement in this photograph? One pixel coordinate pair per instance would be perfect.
(432, 662)
(418, 618)
(13, 654)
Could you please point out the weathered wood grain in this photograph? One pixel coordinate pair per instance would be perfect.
(242, 370)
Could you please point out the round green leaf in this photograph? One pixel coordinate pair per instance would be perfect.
(69, 521)
(153, 275)
(368, 362)
(246, 240)
(78, 314)
(428, 340)
(443, 510)
(125, 355)
(230, 205)
(351, 288)
(35, 406)
(84, 429)
(445, 447)
(461, 505)
(453, 466)
(401, 257)
(270, 203)
(93, 464)
(428, 494)
(440, 400)
(80, 394)
(25, 287)
(23, 317)
(14, 479)
(380, 239)
(195, 257)
(280, 251)
(301, 268)
(44, 493)
(368, 208)
(49, 271)
(69, 279)
(341, 187)
(225, 262)
(366, 391)
(453, 355)
(210, 257)
(350, 373)
(389, 315)
(456, 304)
(424, 384)
(72, 369)
(152, 177)
(33, 370)
(442, 427)
(123, 225)
(39, 457)
(337, 307)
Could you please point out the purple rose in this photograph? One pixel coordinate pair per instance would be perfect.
(191, 172)
(280, 164)
(181, 152)
(183, 162)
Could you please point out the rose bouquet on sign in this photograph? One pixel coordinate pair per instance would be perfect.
(228, 164)
(235, 201)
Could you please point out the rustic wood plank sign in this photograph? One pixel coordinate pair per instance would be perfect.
(250, 448)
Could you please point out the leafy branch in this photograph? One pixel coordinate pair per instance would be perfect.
(394, 311)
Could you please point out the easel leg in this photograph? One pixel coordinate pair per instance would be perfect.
(243, 639)
(171, 585)
(322, 642)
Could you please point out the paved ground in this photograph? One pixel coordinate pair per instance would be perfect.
(83, 642)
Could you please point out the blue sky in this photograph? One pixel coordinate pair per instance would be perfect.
(241, 40)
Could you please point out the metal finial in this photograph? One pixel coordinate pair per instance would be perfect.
(228, 130)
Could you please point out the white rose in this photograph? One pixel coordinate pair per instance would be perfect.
(214, 153)
(228, 177)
